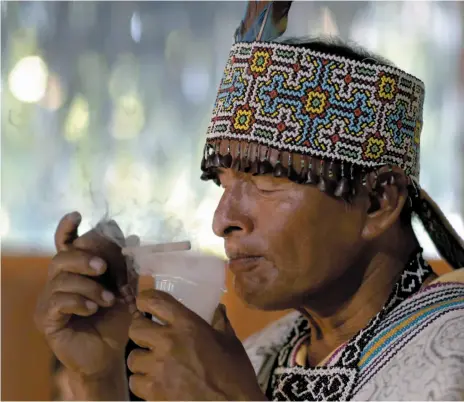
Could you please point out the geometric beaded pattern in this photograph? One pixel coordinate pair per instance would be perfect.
(302, 101)
(397, 330)
(337, 382)
(332, 384)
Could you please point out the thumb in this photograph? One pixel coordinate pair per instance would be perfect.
(66, 232)
(221, 323)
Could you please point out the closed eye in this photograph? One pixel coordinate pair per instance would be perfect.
(268, 189)
(266, 184)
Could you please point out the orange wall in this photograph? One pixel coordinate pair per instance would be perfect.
(25, 356)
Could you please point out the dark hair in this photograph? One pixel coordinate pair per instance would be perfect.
(336, 46)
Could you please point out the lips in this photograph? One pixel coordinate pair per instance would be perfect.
(243, 264)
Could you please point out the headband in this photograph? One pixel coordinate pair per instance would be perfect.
(294, 99)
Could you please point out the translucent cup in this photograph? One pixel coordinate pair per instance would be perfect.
(196, 280)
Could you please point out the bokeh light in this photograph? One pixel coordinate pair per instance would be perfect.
(124, 76)
(177, 42)
(28, 79)
(77, 121)
(136, 27)
(128, 117)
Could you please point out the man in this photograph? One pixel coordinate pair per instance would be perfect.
(317, 147)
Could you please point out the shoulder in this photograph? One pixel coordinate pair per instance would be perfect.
(443, 299)
(418, 352)
(268, 341)
(456, 276)
(443, 296)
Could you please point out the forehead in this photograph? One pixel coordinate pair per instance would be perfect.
(267, 189)
(287, 203)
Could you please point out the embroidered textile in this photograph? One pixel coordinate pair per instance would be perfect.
(299, 100)
(337, 381)
(416, 352)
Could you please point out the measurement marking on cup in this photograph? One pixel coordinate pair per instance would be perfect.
(165, 286)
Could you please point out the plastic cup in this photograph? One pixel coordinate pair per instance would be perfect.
(195, 279)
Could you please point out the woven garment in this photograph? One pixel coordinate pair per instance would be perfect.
(294, 99)
(337, 381)
(416, 353)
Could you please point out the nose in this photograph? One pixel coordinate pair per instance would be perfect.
(232, 217)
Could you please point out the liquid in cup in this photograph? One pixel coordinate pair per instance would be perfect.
(195, 279)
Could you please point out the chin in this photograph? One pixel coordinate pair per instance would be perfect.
(260, 289)
(262, 299)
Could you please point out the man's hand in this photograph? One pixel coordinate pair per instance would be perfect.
(85, 325)
(187, 359)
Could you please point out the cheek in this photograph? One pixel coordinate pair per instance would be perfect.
(313, 238)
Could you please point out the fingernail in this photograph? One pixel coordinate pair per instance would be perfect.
(90, 305)
(107, 296)
(75, 217)
(96, 264)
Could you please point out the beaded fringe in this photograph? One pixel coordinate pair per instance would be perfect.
(336, 178)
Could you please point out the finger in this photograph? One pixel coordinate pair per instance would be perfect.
(66, 231)
(128, 295)
(166, 308)
(148, 334)
(77, 262)
(142, 386)
(60, 308)
(140, 361)
(66, 282)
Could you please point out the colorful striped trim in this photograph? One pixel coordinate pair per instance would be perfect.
(410, 307)
(406, 322)
(385, 338)
(371, 369)
(438, 285)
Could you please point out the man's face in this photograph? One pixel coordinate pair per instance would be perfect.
(287, 242)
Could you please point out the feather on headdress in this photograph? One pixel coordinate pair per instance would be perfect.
(263, 21)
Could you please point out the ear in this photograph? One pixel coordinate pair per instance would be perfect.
(388, 195)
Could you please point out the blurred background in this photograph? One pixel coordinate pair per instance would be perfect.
(105, 107)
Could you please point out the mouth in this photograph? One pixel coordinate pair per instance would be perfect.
(243, 264)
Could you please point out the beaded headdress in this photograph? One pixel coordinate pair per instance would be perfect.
(318, 119)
